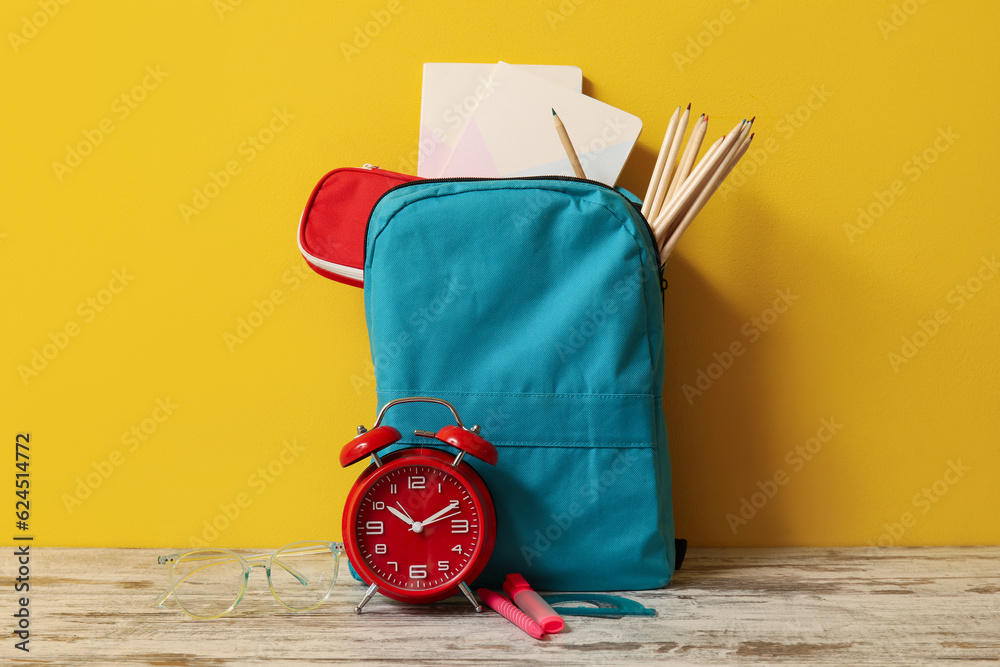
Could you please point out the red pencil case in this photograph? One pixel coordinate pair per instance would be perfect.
(332, 227)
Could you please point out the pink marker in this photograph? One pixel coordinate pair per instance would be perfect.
(506, 608)
(532, 604)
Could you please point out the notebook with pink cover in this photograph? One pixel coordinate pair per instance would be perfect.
(511, 132)
(451, 91)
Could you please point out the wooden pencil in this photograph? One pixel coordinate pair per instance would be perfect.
(661, 159)
(694, 186)
(732, 163)
(683, 197)
(689, 156)
(568, 146)
(724, 167)
(664, 181)
(712, 182)
(670, 217)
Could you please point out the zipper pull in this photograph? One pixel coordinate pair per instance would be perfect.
(369, 166)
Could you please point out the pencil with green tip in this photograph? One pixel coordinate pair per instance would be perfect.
(568, 146)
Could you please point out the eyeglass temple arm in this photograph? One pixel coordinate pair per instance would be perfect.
(302, 579)
(163, 598)
(173, 587)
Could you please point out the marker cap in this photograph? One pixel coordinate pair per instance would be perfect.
(532, 604)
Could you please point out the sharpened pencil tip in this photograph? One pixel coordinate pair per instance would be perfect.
(689, 106)
(753, 119)
(553, 112)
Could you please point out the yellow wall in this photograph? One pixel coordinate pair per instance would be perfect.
(847, 96)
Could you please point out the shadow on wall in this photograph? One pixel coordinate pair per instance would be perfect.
(717, 433)
(715, 388)
(715, 417)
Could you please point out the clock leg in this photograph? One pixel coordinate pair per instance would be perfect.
(472, 598)
(369, 594)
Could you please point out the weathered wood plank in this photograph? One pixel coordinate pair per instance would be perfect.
(765, 606)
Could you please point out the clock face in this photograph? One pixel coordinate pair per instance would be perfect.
(418, 527)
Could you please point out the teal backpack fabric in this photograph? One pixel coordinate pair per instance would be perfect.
(534, 305)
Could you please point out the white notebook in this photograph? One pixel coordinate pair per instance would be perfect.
(451, 91)
(511, 132)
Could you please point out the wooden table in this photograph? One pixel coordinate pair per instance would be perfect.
(766, 606)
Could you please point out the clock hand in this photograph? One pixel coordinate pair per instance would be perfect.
(404, 510)
(436, 516)
(440, 518)
(395, 512)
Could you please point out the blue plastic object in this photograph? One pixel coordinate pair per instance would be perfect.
(605, 606)
(534, 305)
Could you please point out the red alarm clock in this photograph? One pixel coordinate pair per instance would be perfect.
(419, 524)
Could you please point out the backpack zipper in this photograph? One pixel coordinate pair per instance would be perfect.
(572, 179)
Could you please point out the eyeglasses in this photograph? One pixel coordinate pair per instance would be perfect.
(208, 583)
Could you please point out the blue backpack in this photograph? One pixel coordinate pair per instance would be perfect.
(534, 305)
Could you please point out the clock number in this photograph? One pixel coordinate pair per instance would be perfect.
(457, 547)
(380, 549)
(379, 505)
(418, 572)
(374, 527)
(459, 526)
(444, 565)
(394, 564)
(439, 487)
(417, 481)
(392, 488)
